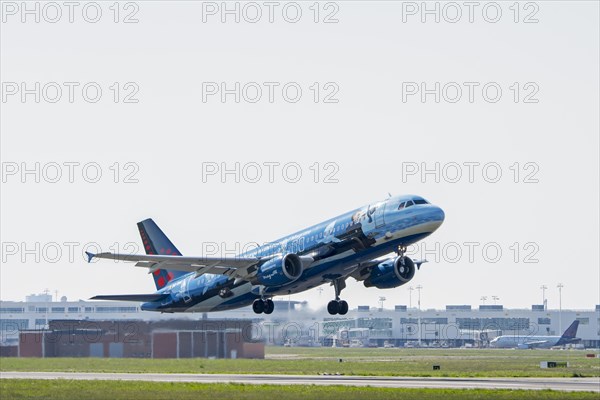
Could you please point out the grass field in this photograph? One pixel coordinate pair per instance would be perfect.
(355, 361)
(90, 390)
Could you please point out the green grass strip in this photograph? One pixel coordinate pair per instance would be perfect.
(90, 390)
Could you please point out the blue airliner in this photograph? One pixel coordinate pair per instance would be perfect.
(353, 244)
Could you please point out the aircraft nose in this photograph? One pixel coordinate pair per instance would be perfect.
(438, 215)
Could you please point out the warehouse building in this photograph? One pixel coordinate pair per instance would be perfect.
(142, 339)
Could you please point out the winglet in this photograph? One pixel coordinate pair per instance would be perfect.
(419, 262)
(90, 256)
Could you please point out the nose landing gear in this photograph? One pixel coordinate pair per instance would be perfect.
(263, 306)
(401, 250)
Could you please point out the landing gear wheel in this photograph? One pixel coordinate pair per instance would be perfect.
(269, 306)
(333, 307)
(343, 307)
(338, 306)
(258, 306)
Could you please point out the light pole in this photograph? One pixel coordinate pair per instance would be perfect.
(419, 287)
(381, 300)
(410, 290)
(46, 292)
(495, 298)
(560, 286)
(483, 299)
(544, 287)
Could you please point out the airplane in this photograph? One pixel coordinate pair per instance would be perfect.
(350, 245)
(539, 342)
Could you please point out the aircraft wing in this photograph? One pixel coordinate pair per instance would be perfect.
(235, 267)
(362, 270)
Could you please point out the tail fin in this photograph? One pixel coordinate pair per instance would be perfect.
(570, 333)
(156, 242)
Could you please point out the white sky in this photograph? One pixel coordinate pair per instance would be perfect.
(369, 134)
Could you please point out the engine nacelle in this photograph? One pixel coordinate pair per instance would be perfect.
(280, 270)
(391, 273)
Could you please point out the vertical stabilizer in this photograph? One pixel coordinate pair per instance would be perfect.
(156, 242)
(570, 334)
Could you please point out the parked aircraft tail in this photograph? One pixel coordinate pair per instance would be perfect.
(156, 242)
(570, 335)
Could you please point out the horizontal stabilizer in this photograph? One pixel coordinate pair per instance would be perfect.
(133, 297)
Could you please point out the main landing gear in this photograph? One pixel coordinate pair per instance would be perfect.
(263, 306)
(338, 306)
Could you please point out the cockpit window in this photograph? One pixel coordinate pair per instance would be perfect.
(401, 206)
(409, 203)
(420, 201)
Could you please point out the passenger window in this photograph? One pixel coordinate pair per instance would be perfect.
(401, 206)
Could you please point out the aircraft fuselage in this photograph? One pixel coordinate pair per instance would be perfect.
(338, 246)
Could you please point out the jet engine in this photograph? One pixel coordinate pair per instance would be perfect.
(391, 273)
(280, 270)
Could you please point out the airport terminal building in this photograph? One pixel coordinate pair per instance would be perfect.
(295, 324)
(460, 325)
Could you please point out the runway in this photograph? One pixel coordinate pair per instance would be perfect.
(561, 384)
